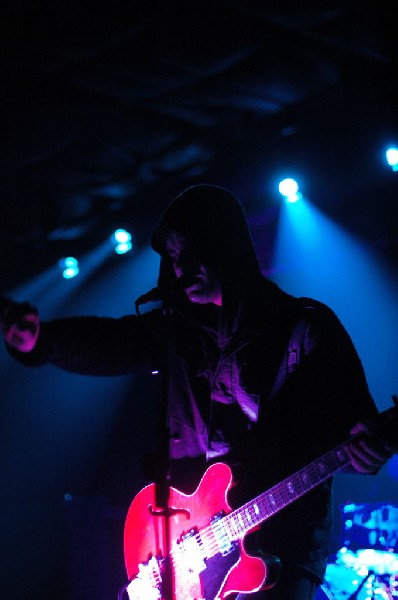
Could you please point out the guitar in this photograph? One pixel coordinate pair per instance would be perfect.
(206, 554)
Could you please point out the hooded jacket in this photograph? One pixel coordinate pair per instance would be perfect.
(266, 382)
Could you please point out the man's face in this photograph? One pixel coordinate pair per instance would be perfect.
(207, 288)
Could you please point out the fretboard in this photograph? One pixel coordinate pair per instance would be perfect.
(241, 520)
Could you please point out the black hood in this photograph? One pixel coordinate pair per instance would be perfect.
(214, 223)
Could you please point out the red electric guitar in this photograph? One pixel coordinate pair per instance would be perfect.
(206, 552)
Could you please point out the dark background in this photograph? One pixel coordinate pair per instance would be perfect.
(107, 111)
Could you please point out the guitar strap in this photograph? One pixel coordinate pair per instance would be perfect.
(294, 351)
(290, 348)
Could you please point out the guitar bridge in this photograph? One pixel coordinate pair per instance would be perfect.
(147, 584)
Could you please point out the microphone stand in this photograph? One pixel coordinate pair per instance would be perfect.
(162, 469)
(162, 452)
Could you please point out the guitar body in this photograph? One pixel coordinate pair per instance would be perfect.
(206, 565)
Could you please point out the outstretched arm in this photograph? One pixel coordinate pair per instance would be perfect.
(87, 345)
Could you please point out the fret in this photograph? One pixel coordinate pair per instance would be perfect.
(291, 488)
(245, 519)
(229, 524)
(321, 469)
(304, 479)
(341, 456)
(249, 517)
(253, 515)
(233, 525)
(298, 486)
(256, 509)
(265, 508)
(272, 502)
(269, 506)
(283, 494)
(313, 475)
(330, 464)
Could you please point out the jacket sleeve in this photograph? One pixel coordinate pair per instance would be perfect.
(98, 345)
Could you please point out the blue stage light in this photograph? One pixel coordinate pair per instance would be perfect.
(392, 157)
(121, 236)
(69, 267)
(123, 248)
(122, 241)
(288, 188)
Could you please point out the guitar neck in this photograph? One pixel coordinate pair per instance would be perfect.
(256, 511)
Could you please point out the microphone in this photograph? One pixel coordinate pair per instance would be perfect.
(164, 292)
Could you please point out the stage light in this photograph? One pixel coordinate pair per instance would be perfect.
(69, 267)
(122, 241)
(121, 236)
(288, 188)
(392, 157)
(123, 248)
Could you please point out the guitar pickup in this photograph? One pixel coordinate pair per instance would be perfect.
(225, 544)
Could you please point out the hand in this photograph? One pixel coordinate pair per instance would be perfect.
(367, 451)
(20, 324)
